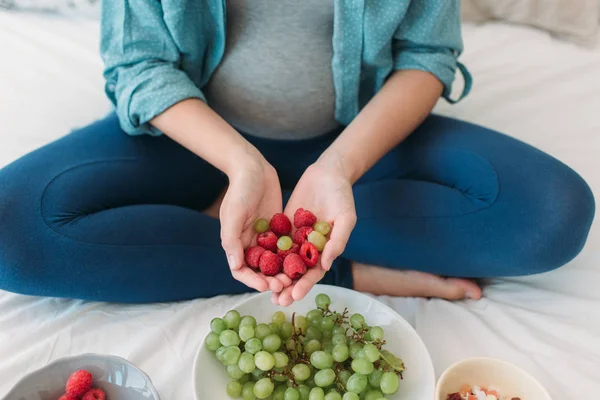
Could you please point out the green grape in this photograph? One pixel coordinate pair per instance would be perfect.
(264, 361)
(281, 359)
(279, 392)
(234, 389)
(271, 343)
(311, 346)
(356, 383)
(354, 349)
(245, 332)
(231, 355)
(292, 394)
(229, 338)
(244, 379)
(350, 396)
(261, 331)
(367, 334)
(248, 391)
(300, 323)
(324, 377)
(322, 227)
(389, 383)
(261, 225)
(314, 314)
(253, 346)
(339, 339)
(316, 393)
(217, 325)
(371, 352)
(310, 382)
(362, 366)
(317, 239)
(301, 372)
(327, 324)
(373, 395)
(322, 301)
(246, 362)
(284, 243)
(321, 360)
(304, 392)
(286, 330)
(278, 317)
(357, 321)
(232, 319)
(360, 354)
(279, 376)
(340, 352)
(339, 330)
(257, 374)
(219, 353)
(375, 378)
(328, 348)
(275, 327)
(313, 332)
(235, 372)
(248, 320)
(212, 342)
(333, 396)
(343, 376)
(263, 388)
(376, 333)
(290, 344)
(327, 335)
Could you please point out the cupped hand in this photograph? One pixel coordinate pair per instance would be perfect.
(254, 192)
(328, 194)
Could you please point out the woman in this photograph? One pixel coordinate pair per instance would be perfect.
(225, 116)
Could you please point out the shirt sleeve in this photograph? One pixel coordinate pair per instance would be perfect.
(429, 39)
(141, 59)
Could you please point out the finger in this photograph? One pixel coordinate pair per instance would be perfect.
(342, 228)
(232, 225)
(285, 297)
(250, 279)
(301, 288)
(275, 298)
(284, 279)
(274, 284)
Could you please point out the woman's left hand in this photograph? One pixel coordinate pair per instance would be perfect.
(328, 194)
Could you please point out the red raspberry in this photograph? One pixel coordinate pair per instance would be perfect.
(79, 382)
(304, 217)
(284, 253)
(68, 397)
(280, 224)
(269, 263)
(253, 255)
(293, 266)
(309, 254)
(94, 394)
(301, 235)
(267, 240)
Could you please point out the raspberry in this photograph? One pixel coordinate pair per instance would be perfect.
(293, 266)
(304, 217)
(269, 263)
(284, 253)
(253, 255)
(280, 224)
(301, 235)
(68, 397)
(94, 394)
(267, 240)
(78, 383)
(309, 254)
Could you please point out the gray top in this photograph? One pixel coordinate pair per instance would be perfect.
(275, 80)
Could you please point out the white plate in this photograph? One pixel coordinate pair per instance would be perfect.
(210, 377)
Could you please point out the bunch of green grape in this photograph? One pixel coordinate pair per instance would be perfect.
(323, 355)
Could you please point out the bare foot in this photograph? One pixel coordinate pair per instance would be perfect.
(391, 282)
(215, 207)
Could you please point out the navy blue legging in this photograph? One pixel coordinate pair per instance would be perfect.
(101, 215)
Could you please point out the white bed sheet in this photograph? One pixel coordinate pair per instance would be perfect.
(540, 90)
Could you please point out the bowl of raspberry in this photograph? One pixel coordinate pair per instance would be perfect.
(85, 377)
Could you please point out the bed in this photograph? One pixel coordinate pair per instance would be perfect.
(541, 90)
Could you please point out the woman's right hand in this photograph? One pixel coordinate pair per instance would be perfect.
(254, 192)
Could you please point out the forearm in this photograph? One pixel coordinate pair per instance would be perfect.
(400, 106)
(198, 128)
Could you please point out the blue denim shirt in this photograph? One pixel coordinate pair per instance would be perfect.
(157, 53)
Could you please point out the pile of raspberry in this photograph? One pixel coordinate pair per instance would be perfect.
(467, 392)
(279, 247)
(79, 387)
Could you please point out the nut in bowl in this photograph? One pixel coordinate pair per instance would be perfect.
(368, 352)
(501, 379)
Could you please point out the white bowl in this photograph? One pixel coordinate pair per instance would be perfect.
(119, 379)
(511, 381)
(210, 377)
